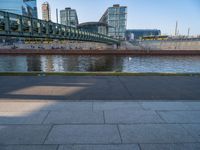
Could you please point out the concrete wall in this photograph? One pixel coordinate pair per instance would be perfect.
(171, 45)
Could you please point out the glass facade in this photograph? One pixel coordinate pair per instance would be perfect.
(139, 33)
(69, 17)
(95, 27)
(21, 7)
(116, 18)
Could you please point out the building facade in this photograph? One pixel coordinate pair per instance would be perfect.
(46, 12)
(95, 27)
(137, 34)
(116, 18)
(21, 7)
(69, 17)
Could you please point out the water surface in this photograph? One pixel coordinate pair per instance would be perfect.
(58, 63)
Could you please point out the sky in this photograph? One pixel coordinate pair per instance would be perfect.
(142, 14)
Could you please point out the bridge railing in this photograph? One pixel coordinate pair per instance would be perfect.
(15, 25)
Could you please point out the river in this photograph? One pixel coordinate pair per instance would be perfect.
(58, 63)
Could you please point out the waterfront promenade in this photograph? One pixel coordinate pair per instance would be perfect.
(99, 113)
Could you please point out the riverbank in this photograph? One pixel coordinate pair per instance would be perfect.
(96, 52)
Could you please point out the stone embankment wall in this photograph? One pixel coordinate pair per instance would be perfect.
(58, 45)
(171, 45)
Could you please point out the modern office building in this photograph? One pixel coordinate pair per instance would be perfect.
(97, 27)
(21, 7)
(136, 34)
(69, 17)
(46, 12)
(116, 18)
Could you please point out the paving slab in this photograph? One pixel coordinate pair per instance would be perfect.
(22, 117)
(193, 129)
(180, 116)
(100, 147)
(164, 106)
(83, 134)
(155, 133)
(182, 146)
(23, 134)
(132, 116)
(100, 88)
(117, 106)
(193, 105)
(22, 106)
(75, 117)
(68, 106)
(162, 87)
(28, 147)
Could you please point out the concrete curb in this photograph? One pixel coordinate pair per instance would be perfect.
(94, 74)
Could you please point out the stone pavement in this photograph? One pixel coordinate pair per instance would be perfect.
(91, 125)
(100, 88)
(99, 113)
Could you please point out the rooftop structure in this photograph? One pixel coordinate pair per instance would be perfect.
(46, 13)
(116, 18)
(21, 7)
(69, 17)
(97, 27)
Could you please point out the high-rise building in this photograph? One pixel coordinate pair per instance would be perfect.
(21, 7)
(46, 13)
(116, 18)
(69, 17)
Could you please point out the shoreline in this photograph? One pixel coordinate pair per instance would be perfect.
(95, 74)
(97, 52)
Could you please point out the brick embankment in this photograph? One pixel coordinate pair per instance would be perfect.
(98, 52)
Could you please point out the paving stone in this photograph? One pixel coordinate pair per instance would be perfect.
(23, 134)
(75, 117)
(116, 106)
(22, 117)
(180, 116)
(83, 134)
(154, 133)
(99, 147)
(164, 106)
(22, 106)
(28, 147)
(131, 116)
(193, 129)
(193, 105)
(182, 146)
(69, 106)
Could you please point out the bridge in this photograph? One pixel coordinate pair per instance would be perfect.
(14, 25)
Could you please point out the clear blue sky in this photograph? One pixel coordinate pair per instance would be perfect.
(142, 14)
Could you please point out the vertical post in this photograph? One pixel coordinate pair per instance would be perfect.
(57, 15)
(188, 32)
(7, 22)
(176, 28)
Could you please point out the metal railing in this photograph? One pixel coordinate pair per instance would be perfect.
(15, 25)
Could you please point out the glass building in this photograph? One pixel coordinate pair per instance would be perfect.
(95, 27)
(21, 7)
(116, 18)
(69, 17)
(137, 34)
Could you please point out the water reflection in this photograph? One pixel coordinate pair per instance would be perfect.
(100, 63)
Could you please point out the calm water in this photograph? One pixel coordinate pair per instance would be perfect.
(102, 63)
